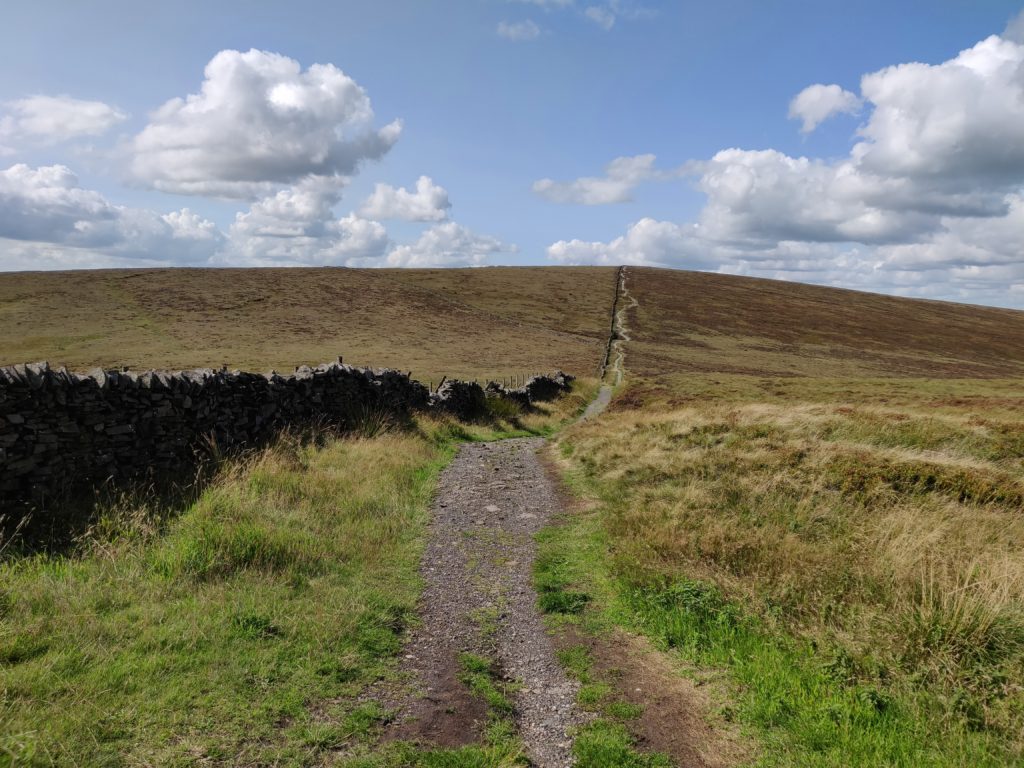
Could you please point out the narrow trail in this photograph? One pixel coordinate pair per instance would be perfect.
(479, 599)
(479, 596)
(614, 367)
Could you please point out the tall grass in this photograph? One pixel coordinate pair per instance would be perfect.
(832, 555)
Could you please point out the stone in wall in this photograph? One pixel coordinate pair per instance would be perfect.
(60, 430)
(537, 389)
(463, 399)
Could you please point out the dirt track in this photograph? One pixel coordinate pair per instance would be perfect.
(479, 597)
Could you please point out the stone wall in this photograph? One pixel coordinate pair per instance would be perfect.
(61, 432)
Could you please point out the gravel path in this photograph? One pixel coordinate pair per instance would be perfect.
(479, 598)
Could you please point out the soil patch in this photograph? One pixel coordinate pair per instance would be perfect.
(677, 712)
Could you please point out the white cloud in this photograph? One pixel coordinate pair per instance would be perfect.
(622, 176)
(48, 221)
(816, 103)
(952, 264)
(447, 245)
(1015, 29)
(960, 122)
(518, 31)
(51, 119)
(928, 202)
(297, 226)
(259, 121)
(601, 16)
(429, 202)
(51, 215)
(765, 196)
(647, 242)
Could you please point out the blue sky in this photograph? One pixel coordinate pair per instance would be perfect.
(496, 96)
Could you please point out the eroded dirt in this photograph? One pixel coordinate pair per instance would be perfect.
(677, 711)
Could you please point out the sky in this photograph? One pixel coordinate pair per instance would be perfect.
(869, 145)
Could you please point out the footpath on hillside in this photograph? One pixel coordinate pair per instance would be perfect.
(479, 597)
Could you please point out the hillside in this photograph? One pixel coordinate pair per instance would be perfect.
(817, 494)
(465, 323)
(709, 323)
(493, 322)
(808, 499)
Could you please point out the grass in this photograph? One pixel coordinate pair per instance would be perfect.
(478, 323)
(816, 496)
(867, 597)
(568, 556)
(822, 507)
(241, 629)
(241, 632)
(692, 325)
(811, 496)
(605, 741)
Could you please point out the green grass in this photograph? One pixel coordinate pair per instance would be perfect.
(480, 676)
(797, 695)
(566, 557)
(501, 745)
(240, 633)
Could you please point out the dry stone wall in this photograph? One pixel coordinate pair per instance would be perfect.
(61, 431)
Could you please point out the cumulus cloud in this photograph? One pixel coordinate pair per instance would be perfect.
(817, 103)
(52, 119)
(518, 31)
(297, 226)
(622, 176)
(428, 202)
(447, 245)
(927, 203)
(51, 214)
(764, 196)
(647, 242)
(958, 123)
(1015, 29)
(49, 221)
(259, 121)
